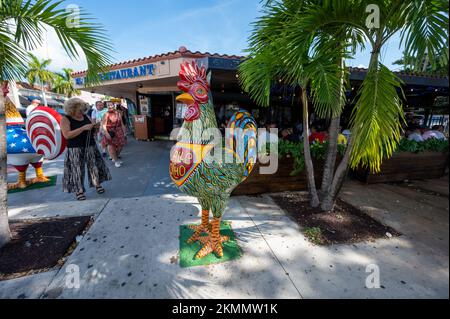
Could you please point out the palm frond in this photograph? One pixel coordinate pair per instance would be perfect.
(334, 17)
(425, 32)
(377, 118)
(297, 41)
(13, 58)
(327, 87)
(313, 46)
(257, 74)
(32, 17)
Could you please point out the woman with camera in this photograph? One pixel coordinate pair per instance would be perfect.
(82, 151)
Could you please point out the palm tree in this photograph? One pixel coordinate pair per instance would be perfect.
(38, 73)
(63, 83)
(334, 29)
(378, 115)
(408, 64)
(312, 61)
(5, 234)
(22, 26)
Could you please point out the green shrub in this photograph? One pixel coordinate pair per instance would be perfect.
(314, 235)
(319, 150)
(431, 145)
(295, 150)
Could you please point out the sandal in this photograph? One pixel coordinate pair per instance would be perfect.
(100, 190)
(81, 196)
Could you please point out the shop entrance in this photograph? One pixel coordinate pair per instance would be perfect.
(160, 110)
(162, 113)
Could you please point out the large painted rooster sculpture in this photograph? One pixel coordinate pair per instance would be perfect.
(199, 173)
(28, 143)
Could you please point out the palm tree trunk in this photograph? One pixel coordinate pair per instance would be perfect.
(330, 162)
(307, 153)
(5, 234)
(342, 169)
(338, 180)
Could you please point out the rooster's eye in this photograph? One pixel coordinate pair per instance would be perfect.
(200, 91)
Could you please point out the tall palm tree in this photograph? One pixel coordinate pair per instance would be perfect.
(5, 234)
(63, 83)
(334, 29)
(22, 28)
(38, 73)
(408, 64)
(378, 115)
(314, 61)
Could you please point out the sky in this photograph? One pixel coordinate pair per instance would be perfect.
(141, 28)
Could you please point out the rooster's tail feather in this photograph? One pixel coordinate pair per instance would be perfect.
(241, 139)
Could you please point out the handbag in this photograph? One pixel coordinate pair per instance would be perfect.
(112, 133)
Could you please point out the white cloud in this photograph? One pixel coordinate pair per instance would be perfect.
(52, 49)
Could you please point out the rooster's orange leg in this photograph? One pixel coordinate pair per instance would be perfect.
(22, 180)
(213, 242)
(204, 227)
(40, 177)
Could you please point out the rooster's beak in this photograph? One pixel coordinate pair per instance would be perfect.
(185, 98)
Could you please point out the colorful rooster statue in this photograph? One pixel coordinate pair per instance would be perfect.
(29, 143)
(192, 171)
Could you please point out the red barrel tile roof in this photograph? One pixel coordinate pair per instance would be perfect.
(182, 52)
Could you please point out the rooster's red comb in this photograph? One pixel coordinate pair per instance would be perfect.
(191, 73)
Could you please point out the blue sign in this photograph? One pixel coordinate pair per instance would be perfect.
(138, 71)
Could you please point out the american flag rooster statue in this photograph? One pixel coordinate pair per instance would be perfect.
(30, 142)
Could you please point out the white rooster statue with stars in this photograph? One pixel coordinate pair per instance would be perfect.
(29, 143)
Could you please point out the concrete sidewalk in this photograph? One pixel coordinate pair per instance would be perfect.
(131, 251)
(145, 172)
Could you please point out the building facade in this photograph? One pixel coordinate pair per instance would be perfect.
(151, 84)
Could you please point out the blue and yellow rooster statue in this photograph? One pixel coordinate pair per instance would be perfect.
(211, 182)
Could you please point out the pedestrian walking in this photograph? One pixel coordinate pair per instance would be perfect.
(97, 117)
(82, 151)
(114, 132)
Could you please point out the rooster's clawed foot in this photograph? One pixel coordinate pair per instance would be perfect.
(212, 243)
(18, 185)
(199, 230)
(40, 179)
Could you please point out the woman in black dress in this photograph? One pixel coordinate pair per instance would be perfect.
(82, 151)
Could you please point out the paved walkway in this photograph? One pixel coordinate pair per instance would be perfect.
(131, 250)
(145, 172)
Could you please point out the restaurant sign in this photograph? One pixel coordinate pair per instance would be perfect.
(129, 73)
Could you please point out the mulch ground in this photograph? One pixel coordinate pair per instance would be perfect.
(39, 244)
(344, 225)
